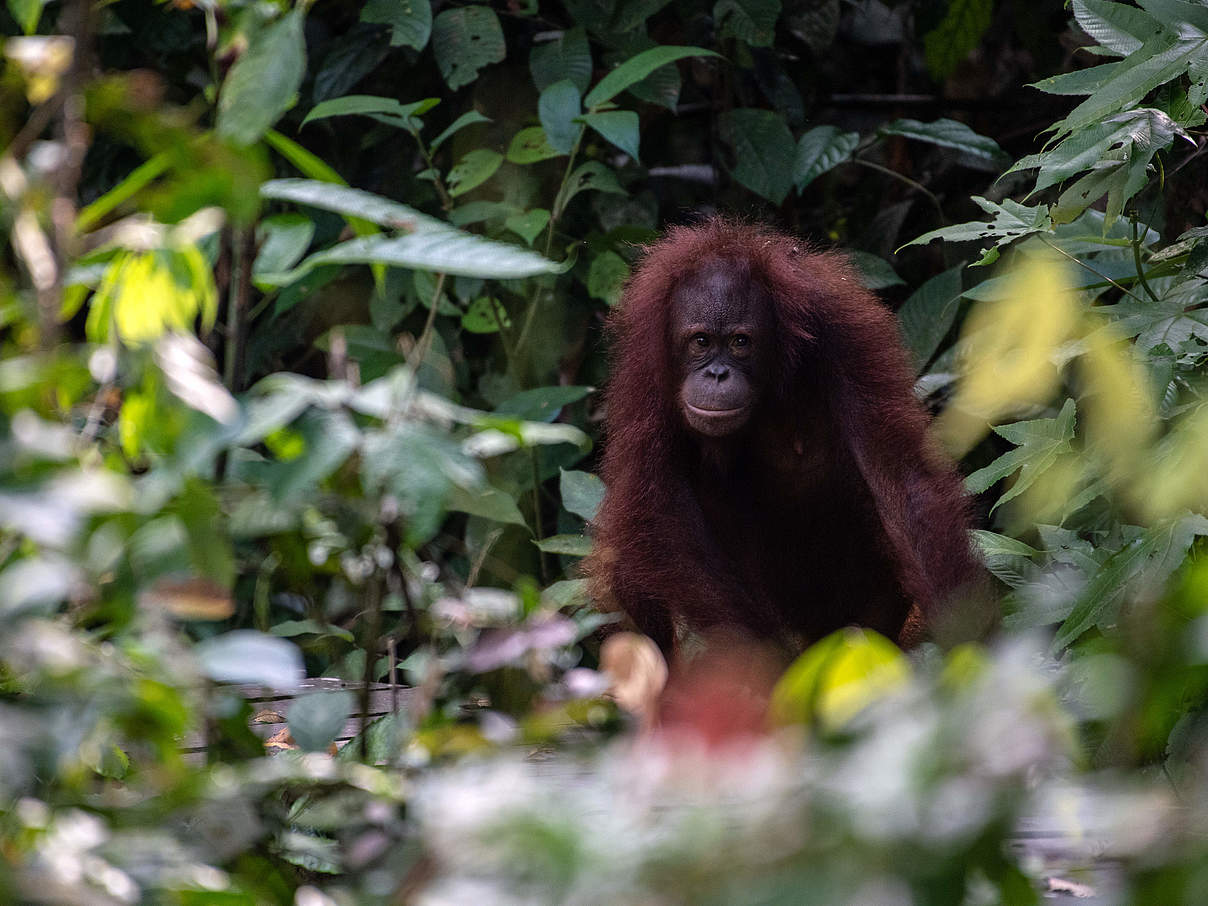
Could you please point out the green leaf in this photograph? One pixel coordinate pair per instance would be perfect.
(541, 404)
(1161, 59)
(567, 57)
(875, 271)
(247, 656)
(528, 226)
(837, 677)
(764, 149)
(27, 13)
(447, 251)
(927, 315)
(1011, 220)
(489, 503)
(284, 238)
(464, 41)
(821, 149)
(947, 134)
(637, 68)
(566, 545)
(753, 21)
(1115, 26)
(293, 628)
(1008, 559)
(315, 720)
(1039, 443)
(485, 316)
(590, 176)
(410, 21)
(469, 118)
(958, 33)
(582, 493)
(529, 146)
(1149, 560)
(606, 277)
(331, 437)
(1179, 13)
(620, 127)
(351, 203)
(557, 107)
(264, 81)
(365, 104)
(306, 163)
(475, 168)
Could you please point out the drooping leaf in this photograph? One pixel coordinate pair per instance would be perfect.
(464, 41)
(566, 545)
(469, 118)
(947, 134)
(541, 404)
(557, 107)
(264, 80)
(489, 503)
(764, 151)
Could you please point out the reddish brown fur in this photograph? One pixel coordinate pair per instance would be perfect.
(833, 509)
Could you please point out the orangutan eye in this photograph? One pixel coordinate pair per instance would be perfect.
(740, 340)
(700, 339)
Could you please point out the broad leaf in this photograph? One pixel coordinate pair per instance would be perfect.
(475, 168)
(567, 57)
(366, 104)
(264, 81)
(566, 545)
(541, 404)
(1039, 443)
(620, 127)
(753, 21)
(464, 41)
(582, 493)
(637, 68)
(947, 134)
(315, 720)
(557, 107)
(469, 118)
(606, 277)
(958, 33)
(246, 656)
(529, 146)
(764, 151)
(821, 149)
(1115, 26)
(927, 315)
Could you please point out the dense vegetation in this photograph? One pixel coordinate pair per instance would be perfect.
(300, 313)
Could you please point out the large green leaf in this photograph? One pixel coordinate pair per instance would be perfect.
(582, 493)
(764, 151)
(447, 251)
(637, 68)
(1115, 26)
(464, 41)
(620, 127)
(927, 315)
(1012, 221)
(264, 81)
(946, 133)
(821, 149)
(367, 104)
(351, 202)
(566, 57)
(557, 108)
(541, 404)
(410, 21)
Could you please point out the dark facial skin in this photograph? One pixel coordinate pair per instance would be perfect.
(722, 334)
